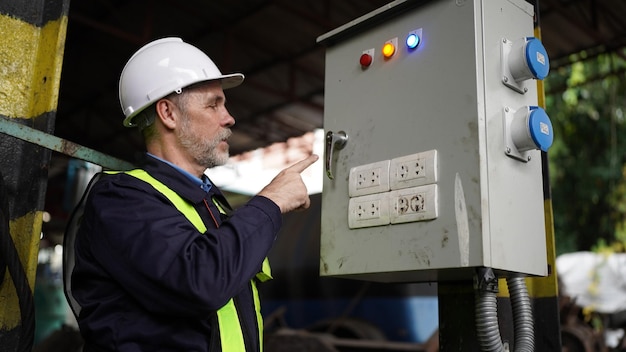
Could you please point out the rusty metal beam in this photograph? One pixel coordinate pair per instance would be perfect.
(48, 141)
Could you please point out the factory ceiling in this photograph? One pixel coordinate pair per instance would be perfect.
(273, 42)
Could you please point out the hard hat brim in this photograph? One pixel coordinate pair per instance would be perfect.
(231, 80)
(228, 81)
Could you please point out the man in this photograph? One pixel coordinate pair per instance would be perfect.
(161, 261)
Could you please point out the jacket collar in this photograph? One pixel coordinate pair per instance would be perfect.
(179, 182)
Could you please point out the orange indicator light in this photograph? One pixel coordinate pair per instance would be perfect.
(388, 50)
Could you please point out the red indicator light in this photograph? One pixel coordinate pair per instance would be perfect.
(365, 60)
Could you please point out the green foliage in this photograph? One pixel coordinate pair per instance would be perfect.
(586, 102)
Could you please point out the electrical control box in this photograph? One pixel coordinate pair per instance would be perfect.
(433, 143)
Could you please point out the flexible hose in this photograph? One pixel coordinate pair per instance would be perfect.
(522, 315)
(488, 331)
(487, 328)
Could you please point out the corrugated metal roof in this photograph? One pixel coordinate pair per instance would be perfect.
(272, 42)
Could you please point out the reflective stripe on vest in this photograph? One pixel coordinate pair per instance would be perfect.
(231, 335)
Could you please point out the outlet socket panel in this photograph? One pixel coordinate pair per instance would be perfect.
(414, 204)
(369, 210)
(369, 179)
(413, 170)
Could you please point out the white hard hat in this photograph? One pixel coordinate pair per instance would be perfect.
(162, 67)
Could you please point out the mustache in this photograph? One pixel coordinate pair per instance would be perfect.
(225, 134)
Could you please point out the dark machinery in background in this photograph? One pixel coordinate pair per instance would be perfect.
(301, 307)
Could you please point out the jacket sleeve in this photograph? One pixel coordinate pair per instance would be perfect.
(146, 246)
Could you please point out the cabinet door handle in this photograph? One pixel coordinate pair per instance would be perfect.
(334, 141)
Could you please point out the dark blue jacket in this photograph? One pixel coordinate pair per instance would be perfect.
(147, 280)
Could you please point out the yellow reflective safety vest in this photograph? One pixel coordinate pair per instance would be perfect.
(231, 334)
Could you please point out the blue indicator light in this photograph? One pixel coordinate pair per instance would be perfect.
(412, 40)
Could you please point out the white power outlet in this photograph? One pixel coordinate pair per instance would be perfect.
(413, 170)
(369, 179)
(369, 210)
(413, 204)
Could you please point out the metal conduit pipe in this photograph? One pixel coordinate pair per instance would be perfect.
(488, 330)
(524, 328)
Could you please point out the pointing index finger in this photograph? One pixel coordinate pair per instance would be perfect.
(303, 164)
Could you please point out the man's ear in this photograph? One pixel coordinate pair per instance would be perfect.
(167, 112)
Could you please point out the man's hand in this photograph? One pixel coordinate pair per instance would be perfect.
(287, 189)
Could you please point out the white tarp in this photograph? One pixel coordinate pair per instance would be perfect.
(597, 281)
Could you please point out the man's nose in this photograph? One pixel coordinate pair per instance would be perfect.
(228, 119)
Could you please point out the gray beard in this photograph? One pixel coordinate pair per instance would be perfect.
(204, 152)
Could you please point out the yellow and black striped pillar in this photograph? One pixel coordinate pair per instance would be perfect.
(32, 33)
